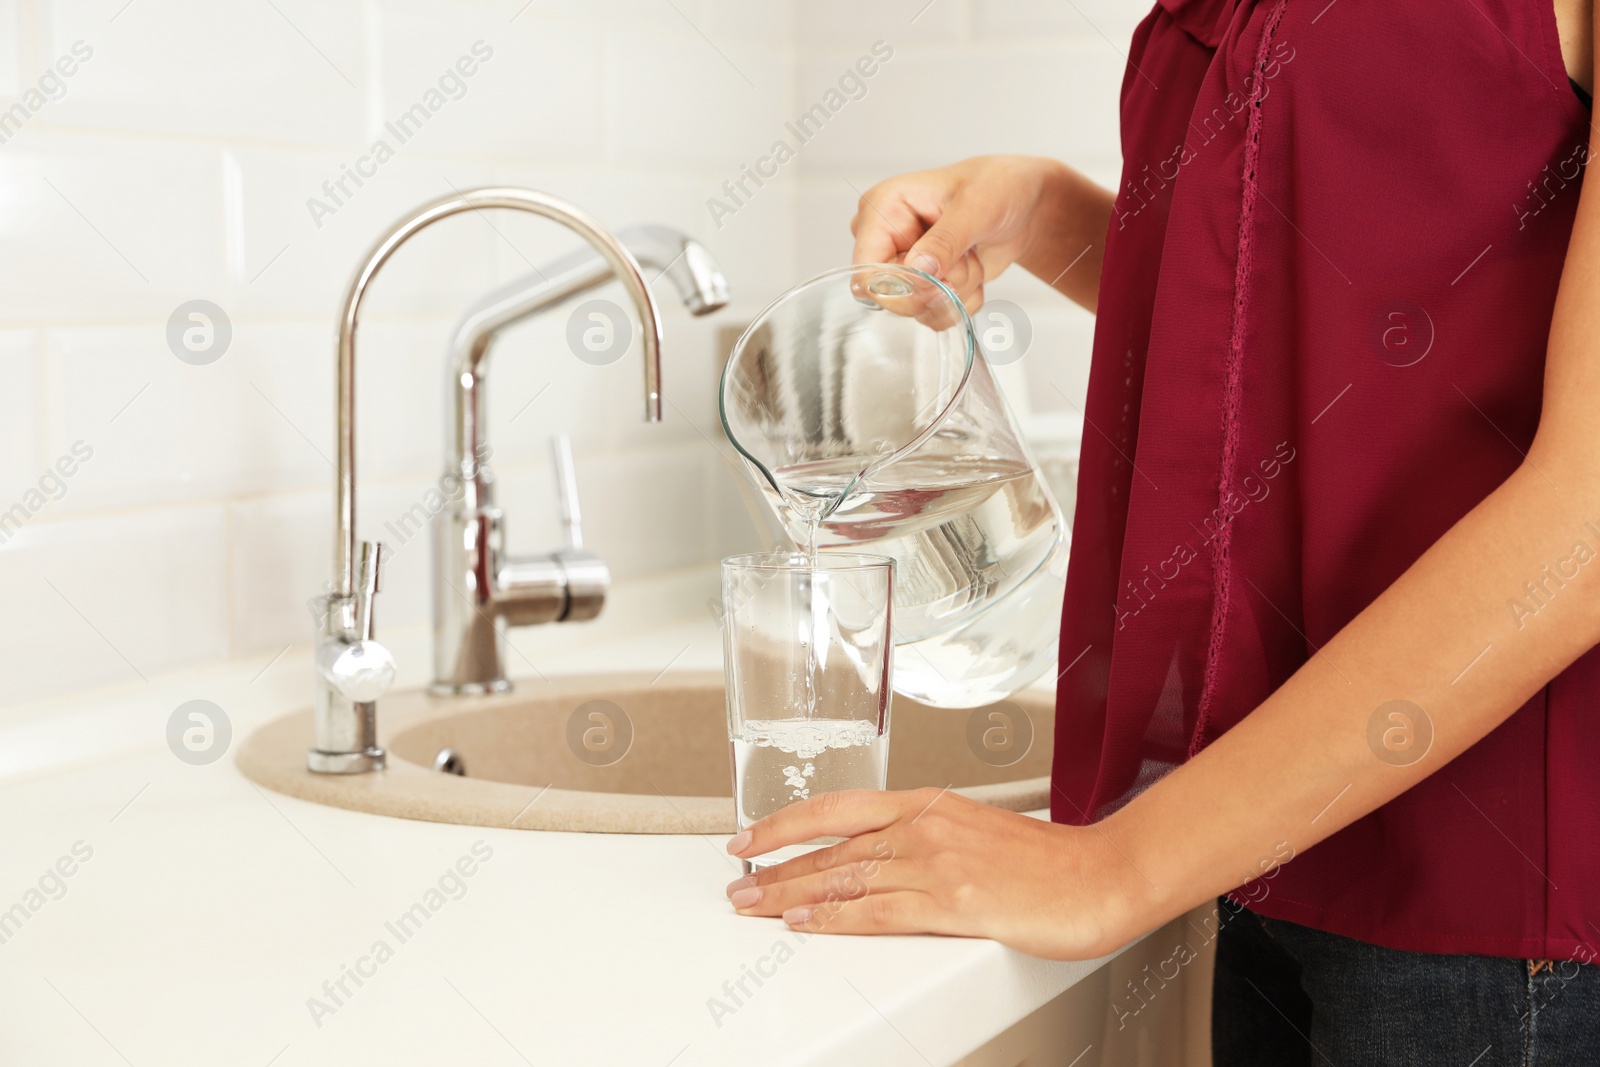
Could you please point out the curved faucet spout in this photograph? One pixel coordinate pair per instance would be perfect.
(671, 254)
(617, 258)
(676, 256)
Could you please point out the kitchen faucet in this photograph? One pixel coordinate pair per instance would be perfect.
(488, 590)
(477, 589)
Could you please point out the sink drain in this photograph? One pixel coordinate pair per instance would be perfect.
(449, 761)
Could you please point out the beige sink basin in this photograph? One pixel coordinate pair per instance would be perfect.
(617, 754)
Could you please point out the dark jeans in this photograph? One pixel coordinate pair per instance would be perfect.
(1290, 996)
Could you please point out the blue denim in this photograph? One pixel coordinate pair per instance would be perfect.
(1290, 996)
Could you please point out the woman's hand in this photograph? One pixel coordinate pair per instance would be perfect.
(966, 223)
(932, 861)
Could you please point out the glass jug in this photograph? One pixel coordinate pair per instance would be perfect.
(866, 414)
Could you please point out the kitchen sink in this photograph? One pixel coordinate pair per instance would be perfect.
(621, 753)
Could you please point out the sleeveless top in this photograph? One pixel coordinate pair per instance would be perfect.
(1326, 297)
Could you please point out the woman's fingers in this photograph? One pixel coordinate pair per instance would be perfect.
(868, 849)
(849, 813)
(972, 299)
(933, 222)
(898, 912)
(849, 881)
(966, 278)
(960, 227)
(884, 227)
(964, 223)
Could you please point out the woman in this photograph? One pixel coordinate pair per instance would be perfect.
(1326, 645)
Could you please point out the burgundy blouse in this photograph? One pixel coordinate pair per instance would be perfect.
(1323, 316)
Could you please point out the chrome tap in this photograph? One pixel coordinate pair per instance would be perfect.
(478, 590)
(354, 670)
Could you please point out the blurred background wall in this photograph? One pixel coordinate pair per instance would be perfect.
(155, 152)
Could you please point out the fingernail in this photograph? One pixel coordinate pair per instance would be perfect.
(745, 897)
(739, 842)
(797, 916)
(924, 262)
(740, 883)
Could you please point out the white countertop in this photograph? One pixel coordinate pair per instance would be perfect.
(211, 912)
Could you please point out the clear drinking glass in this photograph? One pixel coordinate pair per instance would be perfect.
(807, 654)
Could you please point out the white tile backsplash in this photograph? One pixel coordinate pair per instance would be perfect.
(467, 62)
(752, 245)
(111, 600)
(10, 49)
(1057, 366)
(648, 15)
(1110, 20)
(162, 431)
(660, 100)
(835, 24)
(740, 20)
(258, 420)
(107, 227)
(1053, 98)
(824, 207)
(229, 152)
(291, 258)
(21, 459)
(291, 70)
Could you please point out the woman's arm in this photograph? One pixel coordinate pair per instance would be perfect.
(968, 222)
(1297, 768)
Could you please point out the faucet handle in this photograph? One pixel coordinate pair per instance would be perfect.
(356, 665)
(567, 490)
(361, 670)
(369, 582)
(584, 576)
